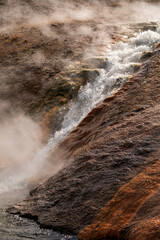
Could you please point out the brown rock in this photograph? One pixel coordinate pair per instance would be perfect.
(110, 150)
(133, 213)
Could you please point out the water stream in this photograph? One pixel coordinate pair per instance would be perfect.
(122, 59)
(16, 228)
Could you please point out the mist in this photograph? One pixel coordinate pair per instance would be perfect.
(20, 140)
(39, 13)
(21, 143)
(23, 154)
(42, 15)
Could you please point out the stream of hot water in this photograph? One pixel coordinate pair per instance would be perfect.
(122, 60)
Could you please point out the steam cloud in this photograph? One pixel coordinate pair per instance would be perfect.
(42, 13)
(20, 140)
(20, 136)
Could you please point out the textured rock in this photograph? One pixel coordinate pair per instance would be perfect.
(35, 68)
(41, 61)
(35, 55)
(65, 87)
(112, 181)
(133, 212)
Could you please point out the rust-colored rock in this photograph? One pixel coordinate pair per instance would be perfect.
(133, 213)
(114, 173)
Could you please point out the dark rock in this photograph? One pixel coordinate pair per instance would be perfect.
(106, 184)
(145, 56)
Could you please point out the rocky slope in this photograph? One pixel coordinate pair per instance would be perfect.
(133, 212)
(109, 187)
(41, 73)
(112, 181)
(38, 44)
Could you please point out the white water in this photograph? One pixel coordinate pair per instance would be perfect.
(121, 59)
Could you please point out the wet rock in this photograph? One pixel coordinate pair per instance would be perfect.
(145, 56)
(119, 81)
(135, 67)
(43, 61)
(139, 27)
(111, 182)
(99, 62)
(149, 26)
(66, 86)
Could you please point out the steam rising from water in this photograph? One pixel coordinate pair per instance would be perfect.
(42, 13)
(20, 140)
(20, 136)
(121, 60)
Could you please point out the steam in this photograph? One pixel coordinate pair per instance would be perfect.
(21, 150)
(40, 13)
(44, 14)
(142, 11)
(20, 140)
(38, 58)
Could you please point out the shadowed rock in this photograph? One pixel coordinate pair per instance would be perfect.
(108, 153)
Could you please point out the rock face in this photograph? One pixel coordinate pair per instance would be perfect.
(47, 81)
(133, 212)
(35, 56)
(37, 48)
(112, 180)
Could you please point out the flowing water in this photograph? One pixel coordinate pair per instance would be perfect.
(16, 228)
(122, 59)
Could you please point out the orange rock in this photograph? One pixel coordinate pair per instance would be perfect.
(124, 206)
